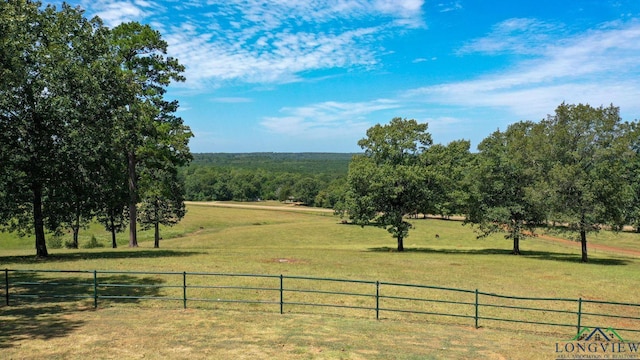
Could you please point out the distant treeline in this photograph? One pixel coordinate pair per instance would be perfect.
(315, 179)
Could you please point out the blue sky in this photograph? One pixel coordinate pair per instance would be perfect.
(314, 75)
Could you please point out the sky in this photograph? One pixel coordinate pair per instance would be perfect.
(314, 75)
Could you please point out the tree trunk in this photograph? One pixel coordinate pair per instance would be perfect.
(516, 245)
(133, 200)
(114, 244)
(400, 243)
(75, 229)
(583, 241)
(38, 220)
(112, 226)
(156, 244)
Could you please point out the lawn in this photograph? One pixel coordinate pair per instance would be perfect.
(291, 242)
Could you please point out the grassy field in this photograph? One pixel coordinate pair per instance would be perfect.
(262, 241)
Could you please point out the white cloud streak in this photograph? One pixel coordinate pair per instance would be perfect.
(327, 119)
(598, 67)
(266, 41)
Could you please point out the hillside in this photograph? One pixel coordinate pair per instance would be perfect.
(300, 163)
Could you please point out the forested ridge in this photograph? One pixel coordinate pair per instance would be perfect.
(316, 179)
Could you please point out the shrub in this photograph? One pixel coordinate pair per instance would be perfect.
(93, 243)
(55, 242)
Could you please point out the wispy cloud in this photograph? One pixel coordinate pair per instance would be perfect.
(517, 35)
(266, 41)
(115, 12)
(598, 67)
(449, 6)
(327, 118)
(231, 100)
(258, 41)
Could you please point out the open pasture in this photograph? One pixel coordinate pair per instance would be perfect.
(315, 244)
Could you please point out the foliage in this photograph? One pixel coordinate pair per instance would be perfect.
(53, 103)
(313, 179)
(80, 105)
(448, 167)
(505, 175)
(148, 121)
(388, 181)
(587, 181)
(93, 243)
(54, 242)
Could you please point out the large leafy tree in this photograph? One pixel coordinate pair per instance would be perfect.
(504, 183)
(54, 71)
(164, 150)
(632, 209)
(587, 181)
(388, 181)
(147, 71)
(448, 167)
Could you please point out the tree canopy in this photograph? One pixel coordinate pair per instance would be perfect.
(79, 105)
(388, 181)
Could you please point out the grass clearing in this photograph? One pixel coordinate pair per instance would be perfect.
(261, 241)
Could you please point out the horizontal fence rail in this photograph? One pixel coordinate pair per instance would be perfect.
(394, 300)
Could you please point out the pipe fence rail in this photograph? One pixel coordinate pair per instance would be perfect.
(287, 292)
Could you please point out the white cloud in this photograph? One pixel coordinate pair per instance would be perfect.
(260, 41)
(516, 35)
(266, 41)
(115, 12)
(599, 67)
(450, 6)
(231, 100)
(327, 119)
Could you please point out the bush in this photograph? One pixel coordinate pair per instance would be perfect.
(55, 242)
(93, 243)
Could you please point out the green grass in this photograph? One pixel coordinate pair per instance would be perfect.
(230, 240)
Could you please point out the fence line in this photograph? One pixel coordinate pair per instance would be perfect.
(293, 291)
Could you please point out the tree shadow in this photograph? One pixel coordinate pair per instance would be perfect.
(93, 255)
(38, 302)
(34, 322)
(541, 255)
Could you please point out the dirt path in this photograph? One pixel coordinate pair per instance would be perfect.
(286, 207)
(293, 207)
(576, 244)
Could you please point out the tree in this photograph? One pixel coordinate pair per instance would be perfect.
(388, 181)
(587, 180)
(53, 65)
(146, 72)
(448, 166)
(114, 195)
(504, 182)
(162, 203)
(164, 150)
(632, 208)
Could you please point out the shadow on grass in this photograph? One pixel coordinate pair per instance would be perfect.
(93, 255)
(39, 302)
(34, 323)
(542, 255)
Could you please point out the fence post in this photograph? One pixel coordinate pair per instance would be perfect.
(377, 300)
(476, 317)
(95, 289)
(281, 295)
(6, 285)
(184, 289)
(579, 314)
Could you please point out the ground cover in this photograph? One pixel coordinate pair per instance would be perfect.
(262, 241)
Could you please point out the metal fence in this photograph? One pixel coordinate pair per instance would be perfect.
(290, 293)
